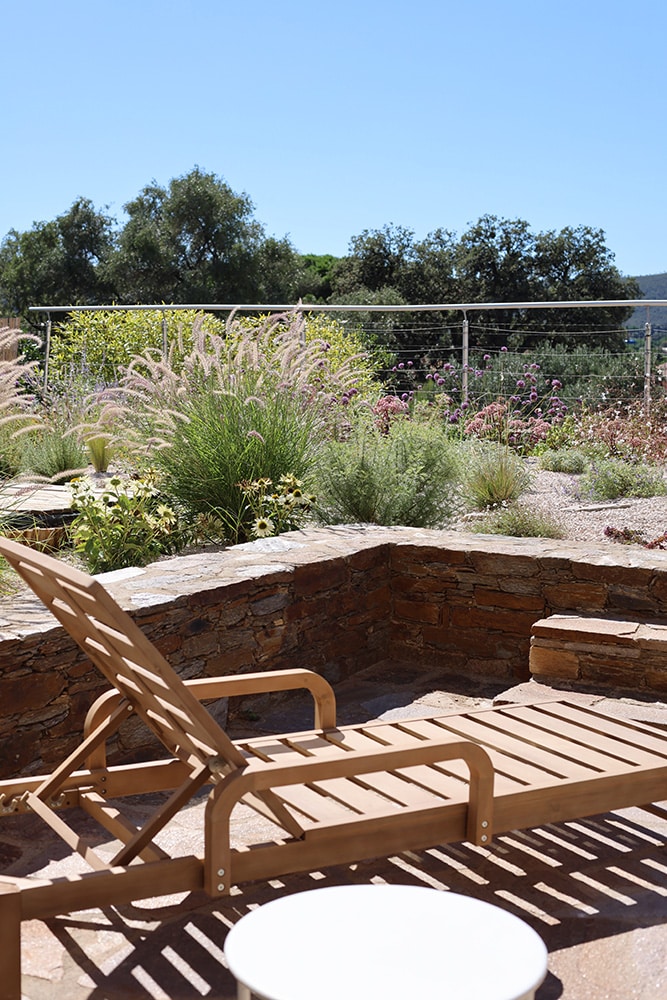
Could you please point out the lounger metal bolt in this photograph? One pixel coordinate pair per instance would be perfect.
(221, 872)
(221, 887)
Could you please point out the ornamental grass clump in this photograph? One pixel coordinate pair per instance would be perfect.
(493, 474)
(256, 404)
(519, 521)
(52, 448)
(406, 476)
(568, 460)
(17, 401)
(52, 453)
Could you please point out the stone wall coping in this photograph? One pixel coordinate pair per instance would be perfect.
(178, 577)
(580, 628)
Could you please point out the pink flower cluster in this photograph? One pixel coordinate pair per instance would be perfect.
(387, 409)
(497, 422)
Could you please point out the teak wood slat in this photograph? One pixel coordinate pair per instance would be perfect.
(553, 757)
(505, 754)
(334, 794)
(443, 779)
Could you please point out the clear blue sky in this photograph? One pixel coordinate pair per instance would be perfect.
(344, 116)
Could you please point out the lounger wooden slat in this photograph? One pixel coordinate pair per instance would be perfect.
(572, 755)
(388, 785)
(376, 791)
(625, 735)
(553, 756)
(443, 779)
(506, 754)
(334, 794)
(313, 805)
(587, 738)
(432, 780)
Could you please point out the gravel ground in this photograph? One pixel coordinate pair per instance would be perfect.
(557, 495)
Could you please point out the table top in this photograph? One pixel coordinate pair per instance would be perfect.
(389, 941)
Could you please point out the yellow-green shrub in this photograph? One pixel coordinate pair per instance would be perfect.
(99, 345)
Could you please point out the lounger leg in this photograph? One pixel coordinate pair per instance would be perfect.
(10, 936)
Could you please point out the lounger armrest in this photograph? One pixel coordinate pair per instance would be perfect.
(260, 776)
(272, 680)
(228, 687)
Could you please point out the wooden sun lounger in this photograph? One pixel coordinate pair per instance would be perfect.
(337, 794)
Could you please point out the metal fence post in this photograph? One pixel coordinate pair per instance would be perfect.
(647, 369)
(165, 341)
(47, 351)
(464, 359)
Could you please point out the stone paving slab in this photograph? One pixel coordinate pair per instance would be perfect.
(16, 497)
(595, 889)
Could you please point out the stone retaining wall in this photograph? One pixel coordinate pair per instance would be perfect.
(336, 600)
(594, 651)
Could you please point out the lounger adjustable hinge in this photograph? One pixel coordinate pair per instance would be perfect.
(10, 804)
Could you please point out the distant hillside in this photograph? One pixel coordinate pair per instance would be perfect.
(654, 286)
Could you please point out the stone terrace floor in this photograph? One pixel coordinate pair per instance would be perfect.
(596, 890)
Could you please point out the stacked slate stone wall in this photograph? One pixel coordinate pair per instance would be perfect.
(334, 600)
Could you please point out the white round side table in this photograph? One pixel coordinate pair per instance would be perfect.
(392, 942)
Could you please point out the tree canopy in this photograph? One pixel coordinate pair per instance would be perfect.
(495, 260)
(195, 240)
(56, 262)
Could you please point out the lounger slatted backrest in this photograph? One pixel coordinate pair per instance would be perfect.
(132, 664)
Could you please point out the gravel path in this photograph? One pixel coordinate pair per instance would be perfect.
(557, 495)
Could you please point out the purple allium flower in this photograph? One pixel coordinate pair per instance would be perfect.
(533, 397)
(487, 357)
(520, 384)
(409, 364)
(504, 350)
